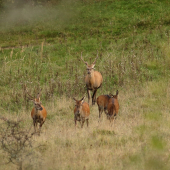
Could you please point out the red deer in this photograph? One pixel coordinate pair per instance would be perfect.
(38, 113)
(109, 104)
(81, 112)
(93, 80)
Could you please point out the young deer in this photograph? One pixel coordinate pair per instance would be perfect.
(38, 113)
(81, 112)
(93, 80)
(109, 104)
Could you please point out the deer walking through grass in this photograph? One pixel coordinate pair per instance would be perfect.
(109, 104)
(81, 112)
(93, 80)
(38, 112)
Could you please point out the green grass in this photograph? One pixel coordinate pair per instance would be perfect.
(130, 36)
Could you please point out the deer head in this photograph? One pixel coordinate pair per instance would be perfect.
(90, 68)
(78, 105)
(114, 96)
(36, 101)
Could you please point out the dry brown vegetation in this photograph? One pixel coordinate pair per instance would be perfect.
(139, 138)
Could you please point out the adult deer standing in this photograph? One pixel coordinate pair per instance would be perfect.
(81, 112)
(38, 113)
(93, 80)
(109, 104)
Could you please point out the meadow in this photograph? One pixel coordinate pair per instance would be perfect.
(40, 47)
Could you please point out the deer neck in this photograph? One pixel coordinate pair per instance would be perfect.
(36, 110)
(91, 80)
(91, 76)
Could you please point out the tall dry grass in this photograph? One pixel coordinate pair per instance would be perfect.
(139, 138)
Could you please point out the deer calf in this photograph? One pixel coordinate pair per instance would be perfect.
(109, 104)
(81, 112)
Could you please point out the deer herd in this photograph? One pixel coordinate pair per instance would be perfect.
(93, 80)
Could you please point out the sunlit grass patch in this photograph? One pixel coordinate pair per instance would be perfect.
(153, 116)
(103, 132)
(158, 142)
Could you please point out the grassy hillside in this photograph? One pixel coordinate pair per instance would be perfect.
(40, 47)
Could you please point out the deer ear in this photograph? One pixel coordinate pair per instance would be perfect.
(82, 100)
(117, 92)
(92, 66)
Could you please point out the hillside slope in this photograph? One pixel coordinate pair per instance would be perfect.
(40, 47)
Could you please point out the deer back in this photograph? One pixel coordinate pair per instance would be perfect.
(85, 110)
(103, 100)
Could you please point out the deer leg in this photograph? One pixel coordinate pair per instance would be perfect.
(113, 121)
(100, 112)
(110, 119)
(41, 126)
(82, 122)
(88, 92)
(87, 121)
(115, 116)
(94, 97)
(75, 120)
(106, 111)
(35, 125)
